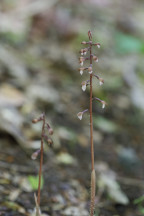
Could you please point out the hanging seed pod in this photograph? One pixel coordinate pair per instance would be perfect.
(50, 142)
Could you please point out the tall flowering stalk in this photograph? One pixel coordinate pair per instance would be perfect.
(44, 137)
(84, 84)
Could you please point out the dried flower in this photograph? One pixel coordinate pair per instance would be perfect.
(101, 81)
(97, 44)
(95, 58)
(101, 101)
(90, 70)
(79, 115)
(103, 104)
(81, 71)
(35, 154)
(85, 51)
(82, 51)
(84, 84)
(81, 60)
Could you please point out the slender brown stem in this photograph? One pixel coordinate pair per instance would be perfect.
(90, 110)
(41, 160)
(91, 137)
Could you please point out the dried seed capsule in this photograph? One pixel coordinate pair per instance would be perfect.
(50, 130)
(50, 142)
(81, 71)
(40, 118)
(34, 121)
(83, 42)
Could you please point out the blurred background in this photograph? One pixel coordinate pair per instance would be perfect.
(40, 42)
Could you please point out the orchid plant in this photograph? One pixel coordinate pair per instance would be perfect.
(84, 85)
(48, 140)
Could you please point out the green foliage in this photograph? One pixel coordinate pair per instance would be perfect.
(140, 201)
(105, 125)
(33, 180)
(12, 38)
(128, 44)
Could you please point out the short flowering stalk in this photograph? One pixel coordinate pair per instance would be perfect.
(84, 84)
(34, 156)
